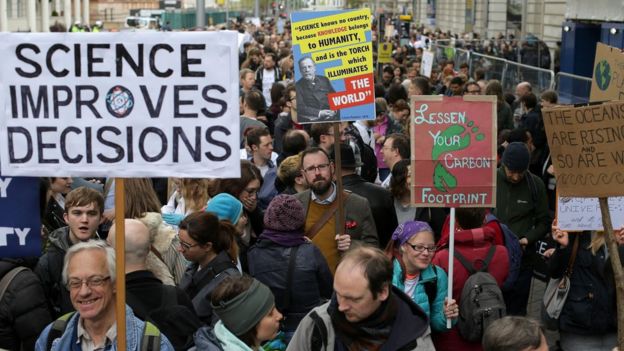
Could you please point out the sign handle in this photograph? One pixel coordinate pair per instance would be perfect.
(618, 271)
(451, 259)
(338, 166)
(120, 262)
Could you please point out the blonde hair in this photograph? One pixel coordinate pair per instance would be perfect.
(598, 241)
(194, 191)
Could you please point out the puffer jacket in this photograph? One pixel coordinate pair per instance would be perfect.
(429, 275)
(23, 309)
(590, 308)
(312, 279)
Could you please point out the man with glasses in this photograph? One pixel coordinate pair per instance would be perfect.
(89, 275)
(521, 204)
(472, 88)
(320, 204)
(83, 214)
(396, 147)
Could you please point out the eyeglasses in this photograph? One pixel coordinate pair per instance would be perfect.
(75, 283)
(421, 248)
(312, 169)
(184, 245)
(292, 98)
(251, 191)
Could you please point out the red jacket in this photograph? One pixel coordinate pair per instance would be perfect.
(499, 238)
(472, 244)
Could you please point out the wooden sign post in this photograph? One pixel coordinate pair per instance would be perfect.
(587, 150)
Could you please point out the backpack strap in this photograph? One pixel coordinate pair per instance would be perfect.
(292, 260)
(150, 341)
(470, 266)
(58, 328)
(319, 333)
(215, 270)
(8, 278)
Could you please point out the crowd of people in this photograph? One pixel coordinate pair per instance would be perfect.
(263, 262)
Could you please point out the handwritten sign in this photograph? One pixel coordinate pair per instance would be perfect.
(587, 149)
(334, 66)
(583, 213)
(427, 64)
(120, 104)
(20, 227)
(385, 53)
(608, 75)
(453, 151)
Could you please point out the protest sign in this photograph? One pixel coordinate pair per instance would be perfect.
(587, 149)
(426, 65)
(608, 79)
(120, 104)
(385, 53)
(20, 227)
(334, 66)
(453, 151)
(583, 213)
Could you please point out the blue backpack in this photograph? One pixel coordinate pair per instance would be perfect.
(514, 252)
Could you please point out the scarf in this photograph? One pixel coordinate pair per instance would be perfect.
(283, 238)
(369, 334)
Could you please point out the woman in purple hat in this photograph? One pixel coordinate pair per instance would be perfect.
(411, 248)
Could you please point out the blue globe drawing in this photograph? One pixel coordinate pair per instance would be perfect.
(602, 75)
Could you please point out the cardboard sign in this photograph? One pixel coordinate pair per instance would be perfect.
(587, 149)
(583, 213)
(20, 226)
(426, 65)
(608, 78)
(384, 54)
(334, 66)
(453, 151)
(132, 104)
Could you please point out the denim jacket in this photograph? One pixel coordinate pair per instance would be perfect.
(68, 341)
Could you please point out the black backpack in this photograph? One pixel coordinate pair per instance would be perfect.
(175, 321)
(481, 302)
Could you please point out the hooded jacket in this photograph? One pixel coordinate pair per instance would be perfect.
(410, 330)
(473, 244)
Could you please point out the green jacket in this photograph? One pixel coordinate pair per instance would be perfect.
(515, 207)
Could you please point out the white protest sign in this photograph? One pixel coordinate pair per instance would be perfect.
(426, 64)
(120, 104)
(583, 213)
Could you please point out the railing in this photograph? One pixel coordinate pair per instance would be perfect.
(508, 72)
(572, 89)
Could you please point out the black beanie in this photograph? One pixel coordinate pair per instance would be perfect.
(516, 157)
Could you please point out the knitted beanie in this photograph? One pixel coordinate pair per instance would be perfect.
(285, 213)
(225, 206)
(516, 157)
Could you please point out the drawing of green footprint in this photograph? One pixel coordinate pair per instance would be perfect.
(453, 138)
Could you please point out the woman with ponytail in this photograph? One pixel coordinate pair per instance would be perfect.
(210, 246)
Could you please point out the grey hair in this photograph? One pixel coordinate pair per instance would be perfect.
(512, 333)
(91, 245)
